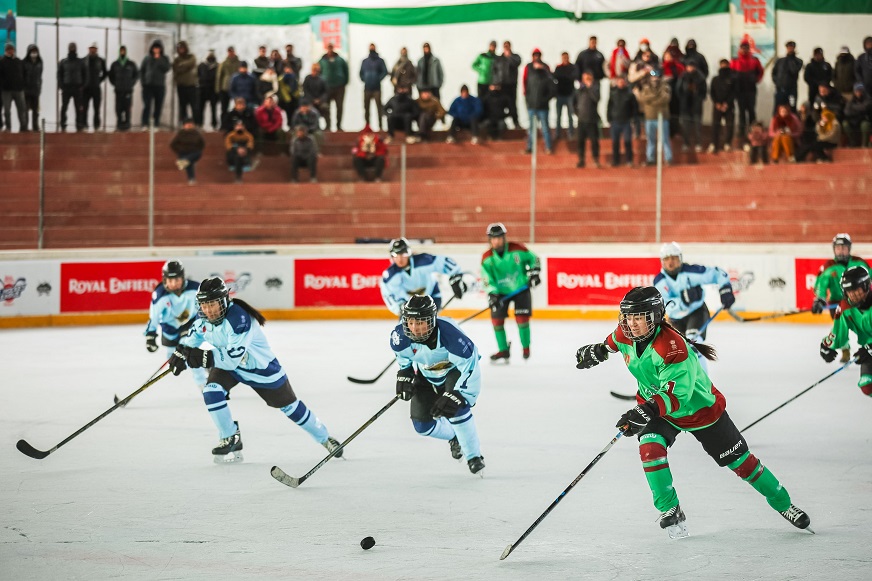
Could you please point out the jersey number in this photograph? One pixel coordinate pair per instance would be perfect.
(236, 352)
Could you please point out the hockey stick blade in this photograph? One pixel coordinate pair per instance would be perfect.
(29, 450)
(284, 477)
(118, 401)
(622, 396)
(507, 552)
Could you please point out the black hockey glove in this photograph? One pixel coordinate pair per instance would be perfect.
(691, 295)
(635, 420)
(533, 277)
(151, 342)
(827, 354)
(818, 306)
(178, 360)
(494, 300)
(864, 354)
(448, 404)
(405, 383)
(200, 358)
(591, 356)
(728, 299)
(457, 285)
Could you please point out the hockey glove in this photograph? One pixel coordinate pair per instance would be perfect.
(635, 420)
(827, 354)
(494, 300)
(200, 358)
(448, 404)
(151, 342)
(178, 360)
(591, 356)
(405, 381)
(533, 277)
(818, 306)
(691, 295)
(457, 285)
(864, 354)
(728, 299)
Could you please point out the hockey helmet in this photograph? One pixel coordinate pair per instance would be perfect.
(400, 246)
(642, 300)
(842, 239)
(853, 279)
(671, 249)
(172, 269)
(496, 230)
(419, 308)
(213, 290)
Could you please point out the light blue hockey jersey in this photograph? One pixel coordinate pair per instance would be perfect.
(397, 285)
(689, 275)
(454, 350)
(171, 311)
(240, 347)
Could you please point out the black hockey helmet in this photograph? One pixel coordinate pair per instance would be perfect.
(642, 300)
(419, 308)
(172, 269)
(842, 239)
(855, 278)
(495, 230)
(214, 289)
(400, 246)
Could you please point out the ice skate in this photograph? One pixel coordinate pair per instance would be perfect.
(456, 452)
(675, 523)
(331, 444)
(798, 518)
(501, 356)
(229, 450)
(476, 465)
(526, 353)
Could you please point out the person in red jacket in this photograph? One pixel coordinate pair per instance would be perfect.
(749, 72)
(269, 119)
(783, 129)
(369, 153)
(619, 63)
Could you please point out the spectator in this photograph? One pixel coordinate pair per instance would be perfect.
(843, 73)
(757, 144)
(123, 75)
(817, 72)
(404, 73)
(653, 96)
(187, 82)
(640, 69)
(622, 110)
(335, 72)
(749, 72)
(315, 90)
(858, 117)
(674, 51)
(289, 92)
(93, 91)
(829, 133)
(495, 106)
(505, 74)
(619, 62)
(153, 73)
(225, 74)
(370, 153)
(785, 73)
(401, 110)
(243, 84)
(308, 116)
(587, 100)
(863, 66)
(645, 46)
(304, 153)
(240, 112)
(72, 75)
(723, 93)
(430, 75)
(539, 89)
(32, 83)
(692, 90)
(808, 137)
(566, 74)
(261, 62)
(483, 66)
(692, 55)
(429, 112)
(295, 63)
(591, 59)
(783, 129)
(267, 83)
(672, 70)
(831, 99)
(275, 62)
(269, 119)
(372, 71)
(188, 145)
(239, 144)
(207, 72)
(12, 85)
(466, 111)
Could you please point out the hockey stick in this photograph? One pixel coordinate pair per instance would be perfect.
(115, 397)
(752, 424)
(29, 450)
(706, 324)
(779, 315)
(622, 396)
(288, 480)
(566, 490)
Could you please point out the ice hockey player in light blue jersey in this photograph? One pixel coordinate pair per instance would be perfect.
(173, 310)
(240, 354)
(440, 374)
(415, 274)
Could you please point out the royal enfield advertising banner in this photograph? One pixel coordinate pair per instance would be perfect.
(29, 288)
(88, 287)
(597, 281)
(338, 282)
(807, 270)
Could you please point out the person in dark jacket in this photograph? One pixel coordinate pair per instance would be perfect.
(843, 73)
(12, 86)
(307, 115)
(863, 66)
(33, 83)
(466, 111)
(430, 75)
(244, 84)
(723, 94)
(828, 98)
(372, 71)
(304, 153)
(691, 89)
(188, 145)
(335, 72)
(207, 71)
(591, 59)
(785, 73)
(93, 92)
(315, 89)
(72, 75)
(187, 82)
(505, 74)
(858, 117)
(566, 75)
(239, 144)
(153, 74)
(622, 110)
(539, 89)
(586, 101)
(692, 55)
(240, 112)
(495, 105)
(817, 72)
(295, 62)
(404, 73)
(123, 75)
(401, 110)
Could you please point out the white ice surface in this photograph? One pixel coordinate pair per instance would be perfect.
(138, 497)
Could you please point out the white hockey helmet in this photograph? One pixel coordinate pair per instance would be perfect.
(671, 249)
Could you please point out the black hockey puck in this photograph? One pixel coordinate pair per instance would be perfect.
(367, 543)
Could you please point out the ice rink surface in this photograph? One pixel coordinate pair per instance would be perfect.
(138, 497)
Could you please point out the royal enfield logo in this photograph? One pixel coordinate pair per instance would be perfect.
(12, 289)
(274, 283)
(356, 281)
(608, 281)
(235, 283)
(43, 288)
(777, 283)
(112, 286)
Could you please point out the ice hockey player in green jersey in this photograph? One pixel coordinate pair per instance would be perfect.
(508, 272)
(854, 313)
(675, 395)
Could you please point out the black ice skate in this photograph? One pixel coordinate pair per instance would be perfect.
(331, 444)
(456, 452)
(476, 465)
(798, 518)
(674, 521)
(501, 356)
(229, 449)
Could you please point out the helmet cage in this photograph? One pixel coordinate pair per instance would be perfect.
(213, 290)
(419, 308)
(855, 278)
(650, 306)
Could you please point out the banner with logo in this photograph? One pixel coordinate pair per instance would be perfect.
(597, 281)
(753, 21)
(265, 281)
(29, 288)
(338, 282)
(108, 286)
(807, 270)
(330, 29)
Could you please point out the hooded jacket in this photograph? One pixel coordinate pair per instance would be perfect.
(123, 75)
(723, 89)
(402, 104)
(72, 72)
(207, 71)
(185, 68)
(863, 66)
(539, 86)
(372, 70)
(369, 145)
(32, 72)
(334, 70)
(153, 71)
(817, 73)
(226, 70)
(691, 55)
(691, 92)
(843, 73)
(430, 77)
(96, 66)
(404, 74)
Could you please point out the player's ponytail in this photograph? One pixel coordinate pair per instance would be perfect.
(255, 314)
(707, 351)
